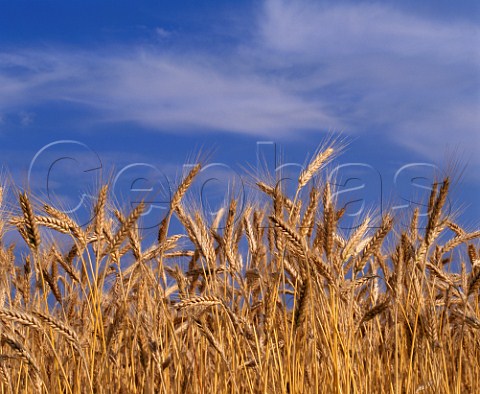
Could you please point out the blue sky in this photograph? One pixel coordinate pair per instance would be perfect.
(141, 86)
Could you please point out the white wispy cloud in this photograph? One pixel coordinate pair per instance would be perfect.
(157, 90)
(361, 29)
(354, 67)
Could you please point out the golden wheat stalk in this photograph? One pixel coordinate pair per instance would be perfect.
(319, 160)
(74, 228)
(30, 224)
(123, 232)
(198, 301)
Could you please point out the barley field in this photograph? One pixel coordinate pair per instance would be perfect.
(268, 298)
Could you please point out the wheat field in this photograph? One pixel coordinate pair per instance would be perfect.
(269, 298)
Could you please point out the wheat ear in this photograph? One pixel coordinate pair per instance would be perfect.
(31, 228)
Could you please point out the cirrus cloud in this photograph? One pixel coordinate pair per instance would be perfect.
(356, 67)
